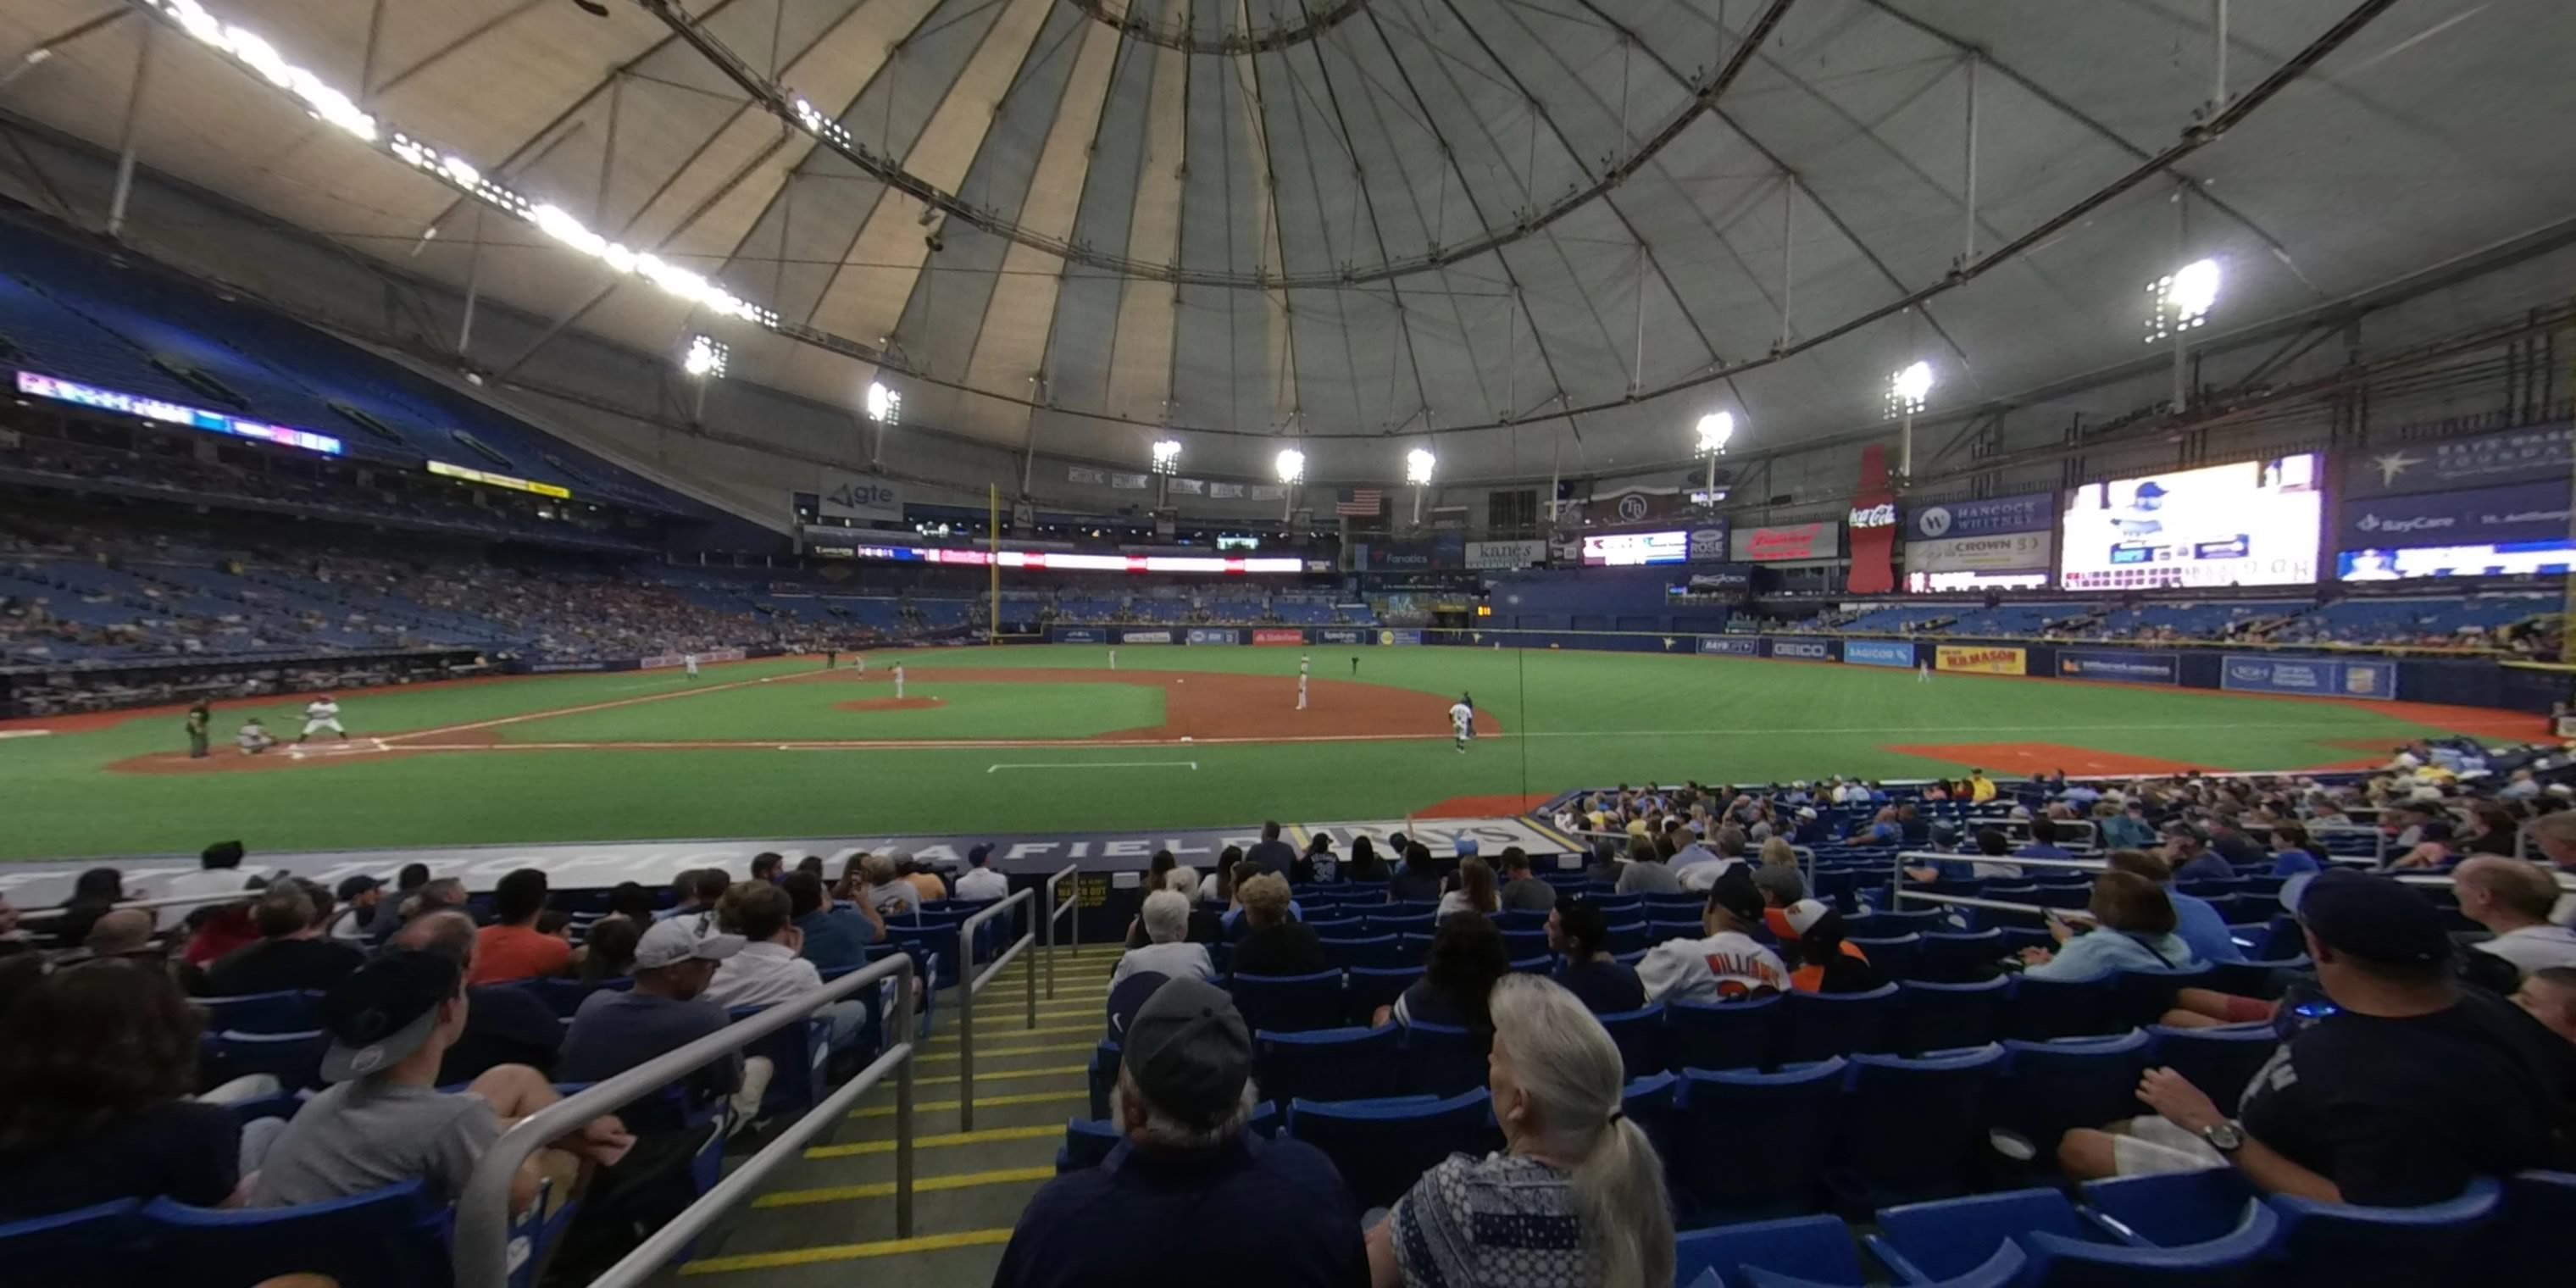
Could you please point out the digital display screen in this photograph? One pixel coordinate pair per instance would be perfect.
(1043, 560)
(170, 413)
(1925, 583)
(490, 479)
(1629, 549)
(2553, 558)
(2253, 524)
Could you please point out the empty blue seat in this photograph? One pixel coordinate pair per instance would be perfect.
(1628, 937)
(1819, 1026)
(1443, 1059)
(2172, 1209)
(2070, 1082)
(93, 1247)
(1811, 1247)
(1925, 1242)
(294, 1059)
(1371, 987)
(1288, 1003)
(1383, 1146)
(565, 996)
(1395, 920)
(1912, 1128)
(1087, 1141)
(1102, 1076)
(2141, 997)
(1723, 1035)
(1659, 929)
(1520, 944)
(1954, 957)
(2058, 1008)
(2218, 1061)
(2003, 1271)
(1366, 950)
(1654, 1104)
(2539, 1209)
(2238, 1256)
(1328, 1064)
(392, 1236)
(1749, 1145)
(1938, 1017)
(291, 1011)
(1889, 922)
(1640, 1035)
(1895, 957)
(2343, 1245)
(2255, 978)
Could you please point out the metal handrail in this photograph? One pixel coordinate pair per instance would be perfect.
(481, 1246)
(1056, 908)
(2378, 845)
(969, 984)
(2080, 865)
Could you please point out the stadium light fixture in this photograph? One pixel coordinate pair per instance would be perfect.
(706, 358)
(1417, 466)
(1292, 465)
(1715, 429)
(885, 406)
(1167, 456)
(2180, 302)
(1907, 389)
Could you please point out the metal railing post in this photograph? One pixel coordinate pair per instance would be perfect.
(969, 983)
(1056, 908)
(480, 1249)
(905, 1000)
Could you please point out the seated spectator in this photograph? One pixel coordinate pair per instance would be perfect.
(1467, 955)
(830, 937)
(633, 902)
(767, 970)
(980, 883)
(2406, 1089)
(1579, 931)
(2513, 899)
(1418, 881)
(1523, 891)
(608, 951)
(97, 1108)
(1728, 964)
(513, 948)
(697, 891)
(1318, 865)
(1728, 854)
(362, 901)
(1365, 865)
(219, 872)
(384, 1121)
(2126, 826)
(1184, 1100)
(1270, 853)
(1577, 1195)
(1826, 961)
(2043, 843)
(921, 876)
(1165, 919)
(2436, 848)
(446, 894)
(2228, 840)
(292, 952)
(1992, 846)
(2491, 831)
(812, 865)
(1777, 877)
(2292, 852)
(2190, 857)
(618, 1029)
(1644, 871)
(2549, 995)
(1230, 925)
(94, 892)
(881, 883)
(2199, 924)
(1276, 943)
(1475, 893)
(768, 865)
(2133, 930)
(504, 1024)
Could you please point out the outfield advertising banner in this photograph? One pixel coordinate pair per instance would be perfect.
(2003, 552)
(1079, 635)
(559, 668)
(1214, 635)
(1878, 653)
(1506, 554)
(1341, 635)
(1805, 650)
(1274, 637)
(1399, 637)
(1144, 637)
(1776, 545)
(2323, 677)
(2485, 516)
(1979, 659)
(2486, 460)
(2119, 666)
(2029, 512)
(1731, 645)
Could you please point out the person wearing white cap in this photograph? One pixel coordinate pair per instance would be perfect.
(617, 1029)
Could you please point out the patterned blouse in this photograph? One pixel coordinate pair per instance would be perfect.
(1501, 1221)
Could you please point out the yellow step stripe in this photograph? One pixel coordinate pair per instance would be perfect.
(988, 1030)
(1052, 1049)
(981, 1102)
(989, 1136)
(1004, 1075)
(921, 1185)
(848, 1252)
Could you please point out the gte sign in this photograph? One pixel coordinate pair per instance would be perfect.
(846, 497)
(1881, 515)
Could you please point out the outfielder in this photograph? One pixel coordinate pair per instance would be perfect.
(690, 661)
(1302, 664)
(898, 680)
(1113, 659)
(322, 713)
(1923, 672)
(1462, 720)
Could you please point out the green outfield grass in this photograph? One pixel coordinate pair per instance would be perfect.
(1570, 719)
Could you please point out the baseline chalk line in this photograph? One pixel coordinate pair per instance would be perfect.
(1190, 765)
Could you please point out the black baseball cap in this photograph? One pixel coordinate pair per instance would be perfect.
(1189, 1052)
(2370, 916)
(383, 1011)
(1130, 997)
(352, 887)
(1734, 891)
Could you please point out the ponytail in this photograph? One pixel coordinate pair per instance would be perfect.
(1571, 1070)
(1627, 1218)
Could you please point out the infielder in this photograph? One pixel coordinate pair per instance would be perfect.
(322, 713)
(1302, 664)
(690, 661)
(898, 681)
(1113, 659)
(1462, 720)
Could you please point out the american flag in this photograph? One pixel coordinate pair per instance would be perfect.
(1364, 501)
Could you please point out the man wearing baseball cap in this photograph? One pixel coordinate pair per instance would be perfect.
(362, 900)
(1190, 1195)
(2407, 1086)
(384, 1120)
(1729, 964)
(618, 1029)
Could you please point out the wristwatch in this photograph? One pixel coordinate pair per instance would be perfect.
(2224, 1137)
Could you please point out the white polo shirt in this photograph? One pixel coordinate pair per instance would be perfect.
(762, 974)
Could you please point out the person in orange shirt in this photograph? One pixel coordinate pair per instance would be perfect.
(512, 948)
(1826, 962)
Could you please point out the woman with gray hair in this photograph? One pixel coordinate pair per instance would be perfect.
(1578, 1187)
(1167, 951)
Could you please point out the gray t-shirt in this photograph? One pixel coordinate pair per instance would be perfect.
(896, 898)
(1529, 895)
(368, 1134)
(1783, 884)
(1641, 876)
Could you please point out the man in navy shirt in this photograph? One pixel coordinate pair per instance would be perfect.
(1273, 854)
(1185, 1099)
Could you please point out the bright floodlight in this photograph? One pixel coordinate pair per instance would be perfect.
(1417, 466)
(2182, 299)
(706, 358)
(884, 405)
(1907, 388)
(1167, 455)
(1715, 429)
(1292, 465)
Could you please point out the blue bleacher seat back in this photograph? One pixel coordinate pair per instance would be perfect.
(2218, 1061)
(392, 1236)
(2071, 1082)
(1749, 1145)
(1383, 1146)
(2341, 1245)
(1723, 1035)
(2171, 1209)
(1938, 1017)
(1811, 1247)
(1288, 1003)
(1816, 1026)
(1444, 1059)
(2058, 1008)
(1912, 1128)
(1328, 1064)
(2236, 1257)
(92, 1247)
(1946, 1238)
(1640, 1036)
